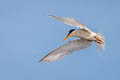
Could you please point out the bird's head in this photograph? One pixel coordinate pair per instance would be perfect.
(70, 33)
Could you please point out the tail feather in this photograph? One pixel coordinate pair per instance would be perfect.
(100, 47)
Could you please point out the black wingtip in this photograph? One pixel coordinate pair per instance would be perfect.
(41, 60)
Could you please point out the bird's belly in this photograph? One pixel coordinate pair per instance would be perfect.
(82, 34)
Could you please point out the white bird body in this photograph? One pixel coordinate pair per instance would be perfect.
(86, 37)
(81, 33)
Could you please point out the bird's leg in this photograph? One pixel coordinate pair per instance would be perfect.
(98, 40)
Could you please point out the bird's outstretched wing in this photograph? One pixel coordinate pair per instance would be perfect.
(66, 49)
(71, 22)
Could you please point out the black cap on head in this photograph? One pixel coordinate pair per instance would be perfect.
(70, 31)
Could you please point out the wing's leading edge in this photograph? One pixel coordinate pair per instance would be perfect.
(71, 22)
(66, 49)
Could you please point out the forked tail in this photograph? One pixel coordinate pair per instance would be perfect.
(100, 44)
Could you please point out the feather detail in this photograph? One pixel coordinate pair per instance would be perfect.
(100, 46)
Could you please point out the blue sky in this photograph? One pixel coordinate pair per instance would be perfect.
(27, 34)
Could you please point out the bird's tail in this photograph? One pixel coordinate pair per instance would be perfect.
(100, 45)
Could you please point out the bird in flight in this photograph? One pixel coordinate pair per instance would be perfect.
(85, 35)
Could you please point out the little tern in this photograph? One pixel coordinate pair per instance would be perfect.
(85, 35)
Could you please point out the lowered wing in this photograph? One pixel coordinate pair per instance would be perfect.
(66, 49)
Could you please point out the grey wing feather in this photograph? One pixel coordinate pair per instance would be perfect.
(66, 49)
(71, 22)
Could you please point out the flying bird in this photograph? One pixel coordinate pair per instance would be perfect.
(85, 35)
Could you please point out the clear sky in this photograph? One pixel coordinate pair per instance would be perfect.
(27, 34)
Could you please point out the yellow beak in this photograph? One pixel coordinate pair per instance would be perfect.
(67, 37)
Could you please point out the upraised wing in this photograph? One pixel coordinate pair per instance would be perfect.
(66, 49)
(71, 22)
